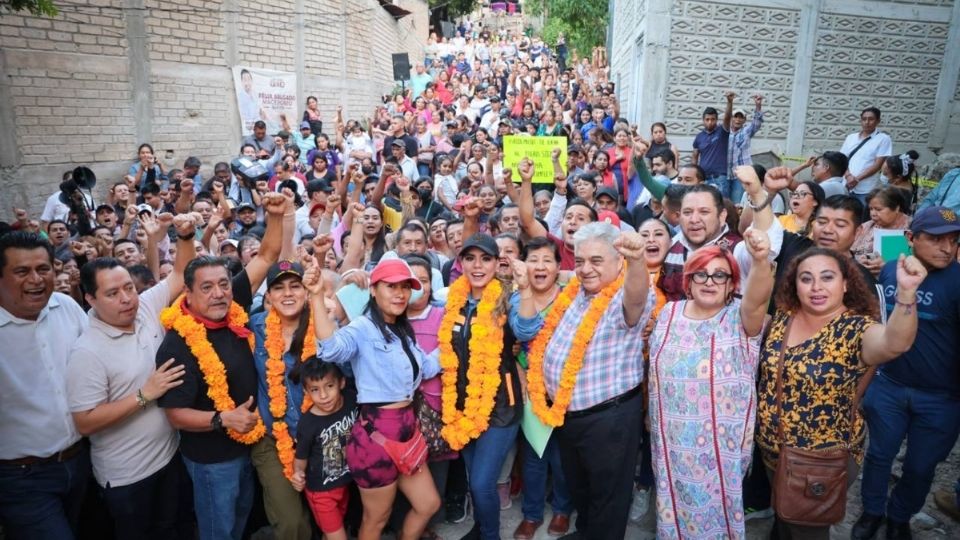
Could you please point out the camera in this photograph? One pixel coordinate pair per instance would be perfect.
(248, 171)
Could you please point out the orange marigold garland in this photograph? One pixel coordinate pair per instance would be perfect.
(483, 373)
(276, 385)
(536, 387)
(214, 374)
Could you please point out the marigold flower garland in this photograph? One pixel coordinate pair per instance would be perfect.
(277, 388)
(483, 373)
(536, 387)
(214, 374)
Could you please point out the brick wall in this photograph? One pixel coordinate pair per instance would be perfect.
(70, 85)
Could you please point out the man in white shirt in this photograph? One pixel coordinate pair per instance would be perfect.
(112, 386)
(866, 150)
(44, 466)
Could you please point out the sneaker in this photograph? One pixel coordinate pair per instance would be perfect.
(456, 511)
(640, 505)
(503, 490)
(757, 513)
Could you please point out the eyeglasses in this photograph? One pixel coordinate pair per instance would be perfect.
(800, 194)
(701, 277)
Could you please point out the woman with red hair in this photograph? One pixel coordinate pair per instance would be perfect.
(703, 363)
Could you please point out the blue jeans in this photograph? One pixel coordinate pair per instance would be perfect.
(222, 496)
(535, 482)
(424, 170)
(42, 501)
(483, 458)
(722, 183)
(930, 422)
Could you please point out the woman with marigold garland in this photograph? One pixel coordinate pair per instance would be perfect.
(283, 339)
(482, 399)
(388, 366)
(703, 365)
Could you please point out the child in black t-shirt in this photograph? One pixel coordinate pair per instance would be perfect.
(320, 468)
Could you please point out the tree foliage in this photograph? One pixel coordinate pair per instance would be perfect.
(454, 8)
(583, 22)
(35, 7)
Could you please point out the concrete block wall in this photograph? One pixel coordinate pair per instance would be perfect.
(817, 62)
(88, 86)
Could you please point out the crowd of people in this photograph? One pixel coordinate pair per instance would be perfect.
(341, 330)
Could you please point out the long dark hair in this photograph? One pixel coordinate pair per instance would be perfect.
(296, 343)
(859, 298)
(379, 246)
(400, 328)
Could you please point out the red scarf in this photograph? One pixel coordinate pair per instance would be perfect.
(240, 331)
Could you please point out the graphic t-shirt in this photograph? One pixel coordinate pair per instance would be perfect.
(932, 362)
(321, 441)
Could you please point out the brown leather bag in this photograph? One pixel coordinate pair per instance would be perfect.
(810, 486)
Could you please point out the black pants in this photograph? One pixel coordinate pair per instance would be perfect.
(599, 456)
(148, 509)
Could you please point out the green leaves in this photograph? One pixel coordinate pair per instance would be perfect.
(35, 7)
(583, 22)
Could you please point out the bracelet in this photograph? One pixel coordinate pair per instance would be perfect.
(187, 237)
(765, 204)
(141, 401)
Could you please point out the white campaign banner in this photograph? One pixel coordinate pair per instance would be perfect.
(264, 94)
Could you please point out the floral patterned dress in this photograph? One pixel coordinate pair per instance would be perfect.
(702, 410)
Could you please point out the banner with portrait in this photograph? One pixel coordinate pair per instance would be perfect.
(264, 94)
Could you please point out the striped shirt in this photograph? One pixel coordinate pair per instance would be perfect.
(613, 362)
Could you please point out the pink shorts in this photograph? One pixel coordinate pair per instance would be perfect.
(329, 507)
(370, 465)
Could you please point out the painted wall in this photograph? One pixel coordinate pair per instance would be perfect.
(88, 86)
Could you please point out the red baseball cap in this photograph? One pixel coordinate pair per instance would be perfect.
(394, 271)
(609, 217)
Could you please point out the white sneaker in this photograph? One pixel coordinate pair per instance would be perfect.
(640, 505)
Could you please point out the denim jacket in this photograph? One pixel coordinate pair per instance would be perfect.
(382, 370)
(258, 324)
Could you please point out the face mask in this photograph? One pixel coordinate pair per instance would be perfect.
(415, 295)
(366, 169)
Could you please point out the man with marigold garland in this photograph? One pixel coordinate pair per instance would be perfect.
(586, 366)
(214, 409)
(113, 382)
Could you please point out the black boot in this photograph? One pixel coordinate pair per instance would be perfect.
(898, 531)
(866, 527)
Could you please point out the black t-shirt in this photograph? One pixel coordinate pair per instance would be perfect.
(411, 145)
(234, 352)
(321, 440)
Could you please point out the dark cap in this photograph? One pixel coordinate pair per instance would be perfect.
(283, 268)
(283, 134)
(495, 99)
(398, 142)
(314, 186)
(609, 192)
(574, 148)
(245, 206)
(935, 220)
(483, 242)
(105, 208)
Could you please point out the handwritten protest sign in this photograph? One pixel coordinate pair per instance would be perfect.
(517, 147)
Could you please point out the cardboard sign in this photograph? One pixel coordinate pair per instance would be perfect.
(538, 149)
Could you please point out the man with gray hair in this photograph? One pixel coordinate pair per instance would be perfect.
(599, 420)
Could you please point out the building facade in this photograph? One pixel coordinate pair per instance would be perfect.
(90, 85)
(818, 63)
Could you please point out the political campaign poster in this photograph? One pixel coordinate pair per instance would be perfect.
(264, 94)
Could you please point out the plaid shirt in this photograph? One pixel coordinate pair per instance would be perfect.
(738, 148)
(613, 363)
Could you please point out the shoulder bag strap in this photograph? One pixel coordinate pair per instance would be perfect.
(780, 370)
(859, 146)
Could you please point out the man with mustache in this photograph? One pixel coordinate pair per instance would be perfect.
(217, 462)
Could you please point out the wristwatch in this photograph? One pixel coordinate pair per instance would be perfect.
(766, 203)
(141, 401)
(216, 422)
